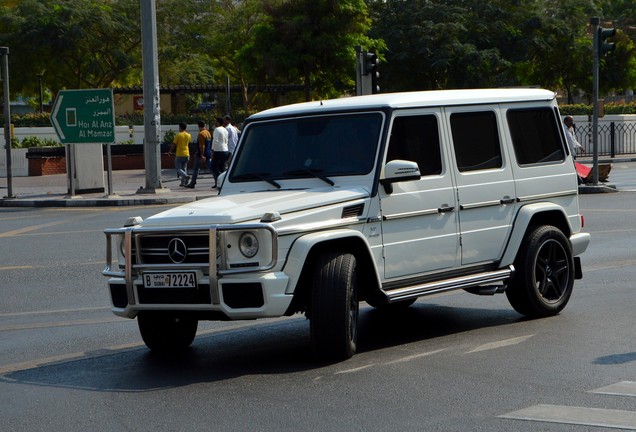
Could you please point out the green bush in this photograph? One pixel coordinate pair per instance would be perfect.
(575, 109)
(610, 108)
(168, 137)
(33, 141)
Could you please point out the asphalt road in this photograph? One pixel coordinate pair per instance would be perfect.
(451, 363)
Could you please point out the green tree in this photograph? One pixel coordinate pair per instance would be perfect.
(436, 44)
(311, 41)
(617, 69)
(78, 43)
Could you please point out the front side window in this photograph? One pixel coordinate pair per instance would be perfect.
(476, 140)
(304, 147)
(416, 138)
(535, 135)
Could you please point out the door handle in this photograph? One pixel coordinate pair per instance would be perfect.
(445, 209)
(507, 200)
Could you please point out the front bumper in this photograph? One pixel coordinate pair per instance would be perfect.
(228, 285)
(239, 297)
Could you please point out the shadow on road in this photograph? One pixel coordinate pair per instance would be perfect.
(272, 349)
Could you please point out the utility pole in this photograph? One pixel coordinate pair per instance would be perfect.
(4, 53)
(152, 115)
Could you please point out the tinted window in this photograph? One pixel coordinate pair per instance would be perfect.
(330, 145)
(476, 140)
(535, 135)
(416, 138)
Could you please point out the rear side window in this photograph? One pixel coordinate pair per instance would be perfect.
(416, 138)
(535, 136)
(476, 141)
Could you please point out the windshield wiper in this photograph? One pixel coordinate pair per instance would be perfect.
(313, 173)
(259, 176)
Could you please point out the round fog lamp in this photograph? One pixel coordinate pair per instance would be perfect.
(248, 244)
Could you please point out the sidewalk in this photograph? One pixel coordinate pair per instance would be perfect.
(52, 191)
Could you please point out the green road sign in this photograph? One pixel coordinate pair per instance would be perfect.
(84, 116)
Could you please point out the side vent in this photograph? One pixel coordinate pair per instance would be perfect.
(352, 211)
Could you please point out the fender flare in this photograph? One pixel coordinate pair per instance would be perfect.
(520, 226)
(303, 245)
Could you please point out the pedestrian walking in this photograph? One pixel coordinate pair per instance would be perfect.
(180, 147)
(219, 150)
(232, 137)
(204, 148)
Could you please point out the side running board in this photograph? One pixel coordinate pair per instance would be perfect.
(462, 282)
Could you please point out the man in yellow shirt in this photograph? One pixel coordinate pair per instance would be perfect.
(181, 143)
(203, 154)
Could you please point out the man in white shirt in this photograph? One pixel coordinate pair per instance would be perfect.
(232, 136)
(219, 150)
(574, 145)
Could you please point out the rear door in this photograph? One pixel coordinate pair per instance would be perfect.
(484, 178)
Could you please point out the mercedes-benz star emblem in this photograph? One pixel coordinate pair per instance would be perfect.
(177, 250)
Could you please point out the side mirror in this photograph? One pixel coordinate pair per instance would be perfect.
(398, 171)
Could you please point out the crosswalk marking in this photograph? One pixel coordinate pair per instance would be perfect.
(608, 418)
(623, 388)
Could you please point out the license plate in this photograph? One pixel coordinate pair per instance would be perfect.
(170, 280)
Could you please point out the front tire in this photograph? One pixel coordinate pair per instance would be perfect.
(334, 306)
(544, 277)
(166, 332)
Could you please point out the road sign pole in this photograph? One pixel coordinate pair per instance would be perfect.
(110, 169)
(70, 162)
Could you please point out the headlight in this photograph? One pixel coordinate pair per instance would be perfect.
(248, 244)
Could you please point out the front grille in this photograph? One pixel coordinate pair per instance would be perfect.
(154, 249)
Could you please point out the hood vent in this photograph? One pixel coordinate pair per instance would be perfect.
(352, 211)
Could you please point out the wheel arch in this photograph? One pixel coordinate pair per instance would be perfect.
(302, 258)
(533, 215)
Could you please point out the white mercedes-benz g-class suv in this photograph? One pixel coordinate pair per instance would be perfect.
(382, 198)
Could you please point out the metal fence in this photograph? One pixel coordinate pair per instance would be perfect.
(614, 137)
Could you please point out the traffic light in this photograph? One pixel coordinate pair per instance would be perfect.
(605, 47)
(370, 67)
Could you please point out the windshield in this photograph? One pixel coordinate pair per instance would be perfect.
(310, 147)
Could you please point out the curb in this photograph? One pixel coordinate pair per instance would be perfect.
(595, 189)
(99, 202)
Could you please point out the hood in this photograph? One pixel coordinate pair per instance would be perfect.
(251, 206)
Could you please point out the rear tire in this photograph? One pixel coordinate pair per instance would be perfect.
(165, 331)
(334, 307)
(544, 276)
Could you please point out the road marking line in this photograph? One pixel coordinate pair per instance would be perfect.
(623, 388)
(54, 311)
(354, 369)
(608, 418)
(414, 357)
(27, 229)
(501, 344)
(23, 267)
(33, 326)
(28, 267)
